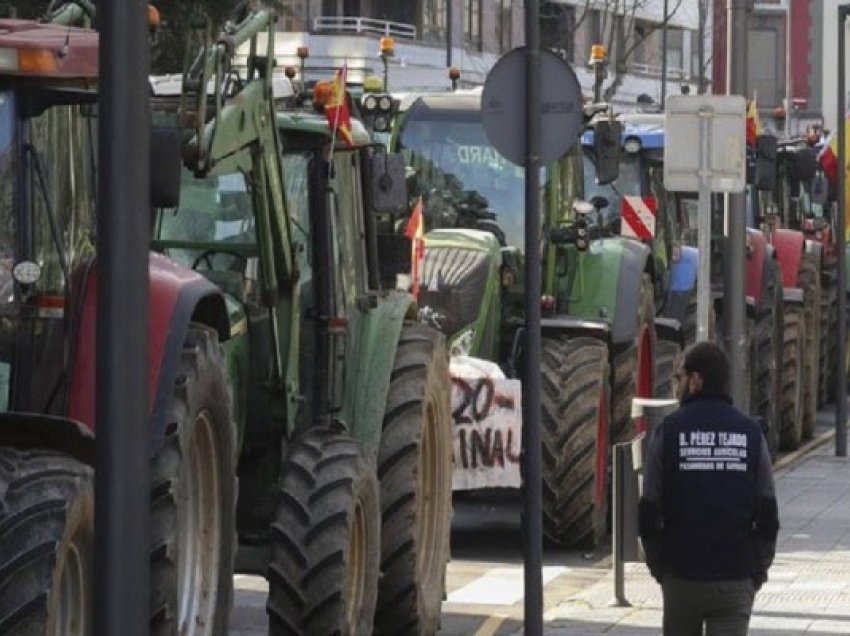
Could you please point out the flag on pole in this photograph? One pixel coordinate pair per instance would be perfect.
(415, 231)
(336, 108)
(754, 126)
(828, 161)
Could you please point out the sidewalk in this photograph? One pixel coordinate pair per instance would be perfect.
(809, 587)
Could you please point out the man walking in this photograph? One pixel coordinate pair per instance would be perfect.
(708, 516)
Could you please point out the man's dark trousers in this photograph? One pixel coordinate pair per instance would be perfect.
(725, 606)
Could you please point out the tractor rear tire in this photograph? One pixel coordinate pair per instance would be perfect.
(668, 355)
(47, 525)
(762, 377)
(415, 471)
(325, 539)
(793, 379)
(575, 409)
(633, 367)
(193, 498)
(828, 331)
(809, 281)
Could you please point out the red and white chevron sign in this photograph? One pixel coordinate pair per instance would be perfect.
(639, 217)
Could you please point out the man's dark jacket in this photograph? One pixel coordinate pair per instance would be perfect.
(708, 509)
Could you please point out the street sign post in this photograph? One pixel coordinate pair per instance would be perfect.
(715, 125)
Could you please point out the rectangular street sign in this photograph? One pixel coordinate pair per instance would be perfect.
(722, 119)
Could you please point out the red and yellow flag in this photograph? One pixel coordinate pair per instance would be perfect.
(336, 108)
(828, 160)
(415, 231)
(754, 126)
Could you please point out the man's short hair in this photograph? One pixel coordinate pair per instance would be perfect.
(711, 363)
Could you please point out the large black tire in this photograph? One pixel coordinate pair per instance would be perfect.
(626, 365)
(47, 527)
(809, 281)
(793, 379)
(575, 409)
(325, 539)
(668, 354)
(828, 330)
(193, 498)
(766, 347)
(415, 470)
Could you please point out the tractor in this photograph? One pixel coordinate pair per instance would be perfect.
(596, 304)
(341, 393)
(769, 208)
(49, 274)
(641, 178)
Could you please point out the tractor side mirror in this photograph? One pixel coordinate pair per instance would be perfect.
(606, 146)
(388, 183)
(764, 177)
(166, 167)
(820, 189)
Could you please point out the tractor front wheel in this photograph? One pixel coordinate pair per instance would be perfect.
(415, 469)
(47, 521)
(325, 539)
(793, 380)
(193, 499)
(809, 281)
(575, 409)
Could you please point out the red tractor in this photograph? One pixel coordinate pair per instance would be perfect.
(48, 295)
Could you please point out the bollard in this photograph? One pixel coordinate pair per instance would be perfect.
(629, 461)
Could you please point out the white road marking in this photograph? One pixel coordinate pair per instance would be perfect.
(499, 586)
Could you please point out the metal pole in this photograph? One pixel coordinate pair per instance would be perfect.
(789, 92)
(122, 491)
(532, 517)
(449, 23)
(840, 222)
(734, 306)
(664, 57)
(704, 228)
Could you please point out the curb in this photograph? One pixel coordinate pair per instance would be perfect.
(806, 449)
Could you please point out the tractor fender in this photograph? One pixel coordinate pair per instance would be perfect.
(576, 327)
(178, 297)
(636, 260)
(669, 329)
(683, 272)
(378, 333)
(789, 246)
(757, 247)
(49, 432)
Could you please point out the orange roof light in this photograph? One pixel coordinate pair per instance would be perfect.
(454, 73)
(597, 53)
(37, 61)
(387, 45)
(303, 52)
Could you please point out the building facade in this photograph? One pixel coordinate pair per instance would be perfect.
(432, 35)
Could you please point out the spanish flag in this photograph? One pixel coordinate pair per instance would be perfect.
(828, 161)
(415, 231)
(336, 108)
(754, 127)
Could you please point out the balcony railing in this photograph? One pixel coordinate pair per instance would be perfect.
(655, 71)
(353, 24)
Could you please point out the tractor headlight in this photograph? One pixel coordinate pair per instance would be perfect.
(385, 103)
(632, 145)
(370, 102)
(462, 345)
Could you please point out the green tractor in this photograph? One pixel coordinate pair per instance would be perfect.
(341, 395)
(597, 301)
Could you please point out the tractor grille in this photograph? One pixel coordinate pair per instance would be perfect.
(453, 282)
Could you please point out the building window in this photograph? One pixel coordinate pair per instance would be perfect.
(503, 26)
(434, 20)
(472, 24)
(558, 28)
(675, 52)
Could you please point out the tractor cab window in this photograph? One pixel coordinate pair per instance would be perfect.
(212, 230)
(60, 158)
(463, 180)
(8, 223)
(628, 183)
